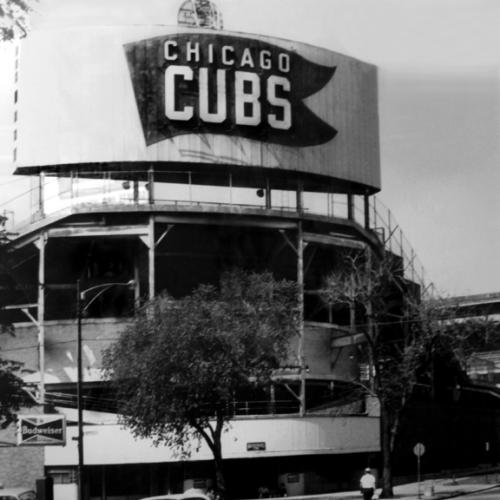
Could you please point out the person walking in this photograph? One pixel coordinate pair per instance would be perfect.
(367, 484)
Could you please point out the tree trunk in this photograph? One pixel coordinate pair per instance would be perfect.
(213, 438)
(386, 449)
(220, 481)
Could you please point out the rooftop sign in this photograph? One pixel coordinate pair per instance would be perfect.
(170, 97)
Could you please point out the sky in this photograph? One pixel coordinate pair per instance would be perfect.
(439, 88)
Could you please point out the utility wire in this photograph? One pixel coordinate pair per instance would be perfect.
(112, 339)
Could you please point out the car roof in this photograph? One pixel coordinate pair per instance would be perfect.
(177, 497)
(15, 491)
(163, 497)
(187, 495)
(10, 491)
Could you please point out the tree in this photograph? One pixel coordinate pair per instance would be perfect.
(13, 395)
(179, 367)
(402, 337)
(455, 338)
(14, 21)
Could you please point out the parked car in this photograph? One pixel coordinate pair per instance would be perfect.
(17, 494)
(192, 494)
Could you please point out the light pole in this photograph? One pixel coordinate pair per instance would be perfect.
(81, 306)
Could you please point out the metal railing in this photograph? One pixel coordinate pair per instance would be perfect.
(53, 196)
(385, 225)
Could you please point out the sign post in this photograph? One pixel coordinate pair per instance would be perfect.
(418, 450)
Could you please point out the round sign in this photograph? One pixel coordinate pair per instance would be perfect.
(419, 449)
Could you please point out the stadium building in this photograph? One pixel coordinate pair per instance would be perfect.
(162, 155)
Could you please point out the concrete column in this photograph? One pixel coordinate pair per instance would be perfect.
(41, 313)
(151, 186)
(151, 255)
(300, 291)
(367, 211)
(350, 207)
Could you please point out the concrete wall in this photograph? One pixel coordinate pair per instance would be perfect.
(19, 465)
(281, 436)
(61, 347)
(323, 359)
(317, 350)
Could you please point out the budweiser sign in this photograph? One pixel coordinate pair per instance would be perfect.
(41, 430)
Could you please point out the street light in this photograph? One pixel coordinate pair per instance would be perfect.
(81, 307)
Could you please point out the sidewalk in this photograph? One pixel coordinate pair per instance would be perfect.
(430, 489)
(447, 488)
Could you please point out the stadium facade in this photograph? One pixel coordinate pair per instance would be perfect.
(161, 156)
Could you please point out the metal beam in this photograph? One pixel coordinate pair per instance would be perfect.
(310, 259)
(366, 202)
(31, 317)
(289, 241)
(20, 306)
(308, 376)
(164, 234)
(344, 341)
(300, 197)
(79, 232)
(338, 241)
(293, 393)
(151, 186)
(234, 219)
(151, 257)
(41, 313)
(300, 306)
(350, 207)
(137, 277)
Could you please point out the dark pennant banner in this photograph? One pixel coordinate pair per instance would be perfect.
(220, 84)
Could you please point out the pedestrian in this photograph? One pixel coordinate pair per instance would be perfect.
(367, 484)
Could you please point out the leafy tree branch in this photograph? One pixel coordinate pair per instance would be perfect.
(182, 363)
(14, 19)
